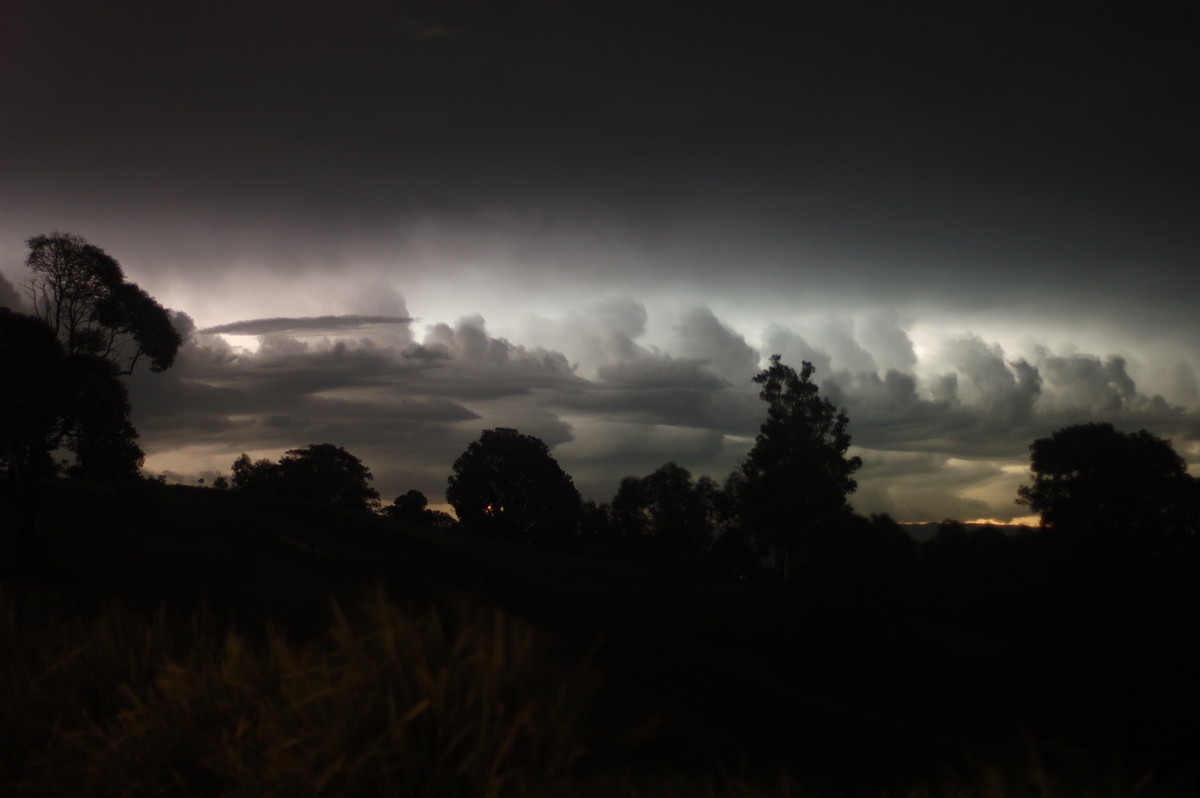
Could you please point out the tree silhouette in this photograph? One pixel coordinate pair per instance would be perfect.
(254, 476)
(50, 399)
(796, 477)
(667, 504)
(327, 474)
(89, 328)
(55, 399)
(97, 422)
(1093, 479)
(33, 372)
(321, 473)
(508, 485)
(409, 506)
(80, 291)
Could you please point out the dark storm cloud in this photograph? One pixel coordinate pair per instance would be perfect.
(661, 372)
(479, 366)
(658, 389)
(887, 412)
(1005, 391)
(991, 405)
(839, 350)
(602, 332)
(930, 131)
(633, 383)
(374, 398)
(831, 173)
(9, 298)
(702, 337)
(923, 485)
(1087, 383)
(310, 324)
(934, 446)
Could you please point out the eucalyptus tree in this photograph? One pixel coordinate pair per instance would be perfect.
(796, 478)
(89, 327)
(80, 291)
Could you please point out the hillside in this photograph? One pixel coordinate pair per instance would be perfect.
(883, 682)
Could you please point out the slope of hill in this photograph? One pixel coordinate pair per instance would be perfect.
(871, 683)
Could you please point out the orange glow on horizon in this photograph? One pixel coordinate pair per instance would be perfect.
(1031, 521)
(1023, 520)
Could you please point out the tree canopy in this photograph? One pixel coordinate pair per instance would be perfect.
(97, 423)
(508, 485)
(667, 504)
(408, 506)
(33, 372)
(797, 476)
(80, 291)
(54, 399)
(89, 327)
(321, 473)
(1092, 478)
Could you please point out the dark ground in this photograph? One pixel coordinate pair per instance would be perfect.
(883, 677)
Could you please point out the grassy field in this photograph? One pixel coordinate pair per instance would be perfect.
(187, 641)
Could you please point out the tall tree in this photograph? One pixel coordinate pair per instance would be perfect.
(508, 485)
(797, 476)
(80, 291)
(34, 397)
(96, 423)
(101, 326)
(53, 399)
(1110, 485)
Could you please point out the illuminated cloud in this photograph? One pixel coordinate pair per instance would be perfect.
(595, 227)
(954, 445)
(311, 324)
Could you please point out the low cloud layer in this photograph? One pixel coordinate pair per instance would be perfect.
(313, 324)
(595, 226)
(946, 435)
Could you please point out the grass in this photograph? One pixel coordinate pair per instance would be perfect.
(199, 642)
(388, 702)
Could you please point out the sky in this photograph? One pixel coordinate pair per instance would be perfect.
(391, 225)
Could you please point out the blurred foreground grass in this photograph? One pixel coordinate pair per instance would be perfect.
(387, 703)
(454, 701)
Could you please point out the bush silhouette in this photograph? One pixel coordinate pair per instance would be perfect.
(508, 485)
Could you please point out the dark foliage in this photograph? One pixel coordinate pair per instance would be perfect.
(327, 474)
(55, 399)
(320, 473)
(80, 291)
(408, 506)
(99, 431)
(90, 327)
(796, 478)
(854, 678)
(255, 476)
(1095, 481)
(33, 372)
(667, 504)
(412, 507)
(508, 485)
(671, 506)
